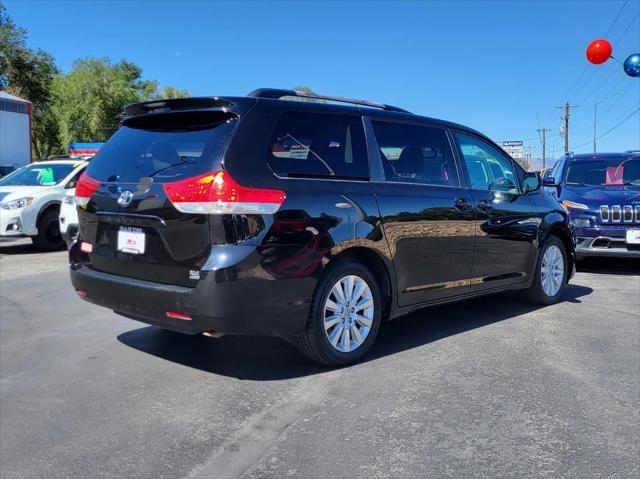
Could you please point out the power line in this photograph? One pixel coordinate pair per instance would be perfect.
(616, 101)
(620, 95)
(616, 19)
(595, 71)
(591, 114)
(615, 71)
(626, 29)
(611, 129)
(610, 29)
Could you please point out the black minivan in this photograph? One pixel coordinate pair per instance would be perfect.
(312, 220)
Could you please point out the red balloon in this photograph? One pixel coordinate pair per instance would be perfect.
(599, 51)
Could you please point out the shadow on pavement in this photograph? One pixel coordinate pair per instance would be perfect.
(600, 265)
(266, 359)
(20, 246)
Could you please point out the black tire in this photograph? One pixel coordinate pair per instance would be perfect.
(536, 293)
(49, 237)
(314, 344)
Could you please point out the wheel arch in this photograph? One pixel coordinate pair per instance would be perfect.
(48, 206)
(383, 273)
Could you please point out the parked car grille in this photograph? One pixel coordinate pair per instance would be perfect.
(620, 214)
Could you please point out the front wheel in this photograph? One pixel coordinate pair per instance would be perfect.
(551, 273)
(345, 316)
(49, 237)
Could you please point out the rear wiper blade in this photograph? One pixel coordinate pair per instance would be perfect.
(183, 160)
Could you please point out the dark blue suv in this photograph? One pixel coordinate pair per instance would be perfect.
(602, 195)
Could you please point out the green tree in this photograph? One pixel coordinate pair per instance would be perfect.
(88, 101)
(305, 89)
(170, 92)
(28, 74)
(84, 104)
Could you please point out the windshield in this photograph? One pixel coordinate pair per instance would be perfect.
(604, 172)
(38, 174)
(166, 148)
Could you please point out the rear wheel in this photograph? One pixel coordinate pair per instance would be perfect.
(345, 316)
(49, 237)
(551, 273)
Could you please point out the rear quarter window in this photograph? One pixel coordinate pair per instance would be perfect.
(318, 145)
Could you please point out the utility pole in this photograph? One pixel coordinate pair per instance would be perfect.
(567, 112)
(528, 156)
(544, 146)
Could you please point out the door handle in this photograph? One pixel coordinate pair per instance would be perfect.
(483, 205)
(462, 204)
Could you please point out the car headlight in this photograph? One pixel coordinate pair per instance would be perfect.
(572, 205)
(69, 199)
(581, 222)
(15, 204)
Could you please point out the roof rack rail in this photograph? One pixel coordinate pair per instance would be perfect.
(280, 93)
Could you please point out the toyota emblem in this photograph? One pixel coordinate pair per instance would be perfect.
(125, 198)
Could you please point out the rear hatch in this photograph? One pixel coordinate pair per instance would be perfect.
(129, 225)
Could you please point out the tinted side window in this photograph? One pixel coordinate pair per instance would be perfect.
(488, 168)
(314, 144)
(415, 154)
(555, 172)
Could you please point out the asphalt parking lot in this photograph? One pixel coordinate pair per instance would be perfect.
(486, 388)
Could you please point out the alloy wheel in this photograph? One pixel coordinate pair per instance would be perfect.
(552, 270)
(348, 313)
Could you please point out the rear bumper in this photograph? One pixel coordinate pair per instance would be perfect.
(239, 299)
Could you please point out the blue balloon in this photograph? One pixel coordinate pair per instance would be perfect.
(632, 65)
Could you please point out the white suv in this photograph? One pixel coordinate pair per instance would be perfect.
(30, 200)
(69, 216)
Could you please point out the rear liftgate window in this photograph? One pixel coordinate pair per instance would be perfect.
(313, 145)
(165, 147)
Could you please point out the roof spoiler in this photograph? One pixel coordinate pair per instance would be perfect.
(277, 94)
(176, 104)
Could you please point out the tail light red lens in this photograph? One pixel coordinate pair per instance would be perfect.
(218, 193)
(85, 188)
(178, 315)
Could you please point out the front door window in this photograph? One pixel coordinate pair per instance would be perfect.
(488, 168)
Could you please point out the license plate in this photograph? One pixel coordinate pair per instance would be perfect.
(633, 236)
(131, 240)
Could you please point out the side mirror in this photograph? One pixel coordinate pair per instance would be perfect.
(532, 181)
(71, 184)
(549, 181)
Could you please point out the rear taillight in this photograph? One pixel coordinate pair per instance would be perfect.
(85, 188)
(218, 193)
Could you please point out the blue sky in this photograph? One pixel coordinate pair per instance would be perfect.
(500, 67)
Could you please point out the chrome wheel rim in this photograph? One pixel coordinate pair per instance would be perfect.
(348, 313)
(552, 270)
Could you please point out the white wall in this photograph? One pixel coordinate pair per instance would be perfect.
(14, 139)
